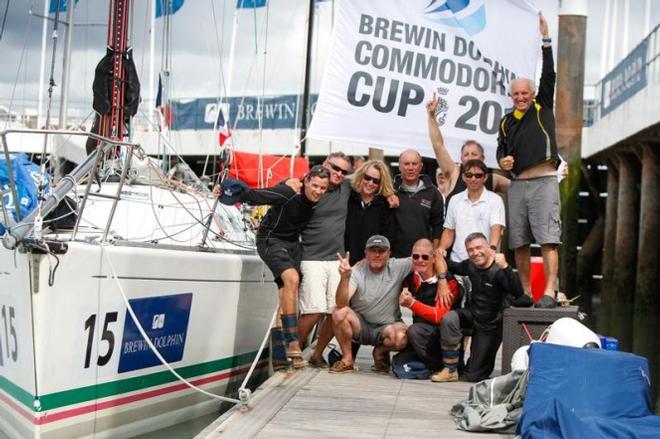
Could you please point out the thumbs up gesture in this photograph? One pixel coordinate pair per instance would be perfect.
(405, 298)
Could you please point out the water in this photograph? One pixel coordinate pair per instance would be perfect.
(188, 429)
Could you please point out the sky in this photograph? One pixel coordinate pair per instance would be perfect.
(269, 50)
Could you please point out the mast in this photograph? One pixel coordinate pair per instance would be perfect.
(308, 69)
(112, 124)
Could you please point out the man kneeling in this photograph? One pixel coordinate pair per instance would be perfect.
(374, 316)
(492, 279)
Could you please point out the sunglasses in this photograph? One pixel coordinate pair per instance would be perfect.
(417, 256)
(475, 175)
(338, 169)
(372, 179)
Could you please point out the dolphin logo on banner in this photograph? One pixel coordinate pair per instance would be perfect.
(466, 14)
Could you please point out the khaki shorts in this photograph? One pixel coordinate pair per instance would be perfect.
(534, 212)
(318, 288)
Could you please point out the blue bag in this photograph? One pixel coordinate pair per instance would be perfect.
(26, 176)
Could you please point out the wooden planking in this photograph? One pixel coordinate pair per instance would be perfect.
(362, 405)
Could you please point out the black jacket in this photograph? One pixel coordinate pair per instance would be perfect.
(363, 221)
(420, 215)
(489, 290)
(531, 140)
(288, 215)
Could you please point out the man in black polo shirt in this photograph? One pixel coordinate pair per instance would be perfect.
(278, 239)
(492, 280)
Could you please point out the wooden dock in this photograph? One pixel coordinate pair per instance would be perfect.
(315, 403)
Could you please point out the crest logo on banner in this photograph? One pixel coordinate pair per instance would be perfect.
(458, 13)
(387, 58)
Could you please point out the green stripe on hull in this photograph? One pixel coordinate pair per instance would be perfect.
(16, 392)
(82, 394)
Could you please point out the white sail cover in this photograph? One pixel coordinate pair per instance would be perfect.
(388, 57)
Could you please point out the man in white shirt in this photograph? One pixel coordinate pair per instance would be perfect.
(476, 209)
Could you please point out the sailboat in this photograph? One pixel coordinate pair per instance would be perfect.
(129, 301)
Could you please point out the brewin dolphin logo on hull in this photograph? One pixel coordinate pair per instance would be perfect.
(469, 15)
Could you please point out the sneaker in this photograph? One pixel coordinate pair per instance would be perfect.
(444, 376)
(546, 302)
(341, 367)
(318, 363)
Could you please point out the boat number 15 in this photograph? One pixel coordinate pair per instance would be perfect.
(106, 335)
(7, 313)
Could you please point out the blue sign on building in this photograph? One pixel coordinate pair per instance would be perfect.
(165, 320)
(245, 113)
(626, 79)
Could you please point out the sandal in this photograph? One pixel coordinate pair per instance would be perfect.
(341, 367)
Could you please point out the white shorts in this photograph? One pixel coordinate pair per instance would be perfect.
(318, 287)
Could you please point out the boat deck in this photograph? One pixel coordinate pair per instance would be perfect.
(314, 403)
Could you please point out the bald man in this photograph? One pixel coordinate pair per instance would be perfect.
(421, 209)
(527, 147)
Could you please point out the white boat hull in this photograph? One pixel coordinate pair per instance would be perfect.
(73, 367)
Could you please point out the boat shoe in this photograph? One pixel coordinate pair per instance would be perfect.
(318, 363)
(444, 376)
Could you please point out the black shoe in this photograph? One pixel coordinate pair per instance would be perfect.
(546, 302)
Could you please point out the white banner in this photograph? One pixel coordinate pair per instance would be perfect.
(387, 57)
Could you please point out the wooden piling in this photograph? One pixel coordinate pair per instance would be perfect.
(607, 291)
(646, 326)
(625, 251)
(569, 105)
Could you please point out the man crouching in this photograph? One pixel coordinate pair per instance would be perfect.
(374, 316)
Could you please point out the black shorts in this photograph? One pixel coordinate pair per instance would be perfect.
(279, 256)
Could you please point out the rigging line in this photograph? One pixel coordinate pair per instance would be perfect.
(4, 20)
(146, 338)
(18, 70)
(263, 91)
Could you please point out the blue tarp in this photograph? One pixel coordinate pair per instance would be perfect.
(587, 393)
(26, 176)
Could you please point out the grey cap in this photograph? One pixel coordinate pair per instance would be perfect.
(378, 241)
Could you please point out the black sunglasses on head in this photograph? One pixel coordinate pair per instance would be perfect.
(416, 256)
(368, 177)
(338, 169)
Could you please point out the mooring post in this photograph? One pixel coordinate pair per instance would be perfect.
(625, 251)
(568, 110)
(646, 321)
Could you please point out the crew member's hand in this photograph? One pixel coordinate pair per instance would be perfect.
(543, 26)
(405, 298)
(500, 260)
(444, 294)
(294, 184)
(345, 268)
(393, 201)
(506, 163)
(432, 105)
(217, 190)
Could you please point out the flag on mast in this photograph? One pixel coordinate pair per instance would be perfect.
(167, 7)
(55, 4)
(223, 127)
(250, 4)
(162, 102)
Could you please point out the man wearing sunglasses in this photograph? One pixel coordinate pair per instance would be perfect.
(322, 239)
(420, 295)
(476, 209)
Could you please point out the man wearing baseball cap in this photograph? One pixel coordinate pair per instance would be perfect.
(368, 309)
